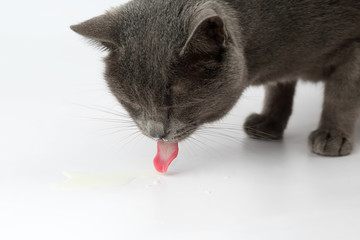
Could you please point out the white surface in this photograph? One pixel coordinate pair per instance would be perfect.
(218, 188)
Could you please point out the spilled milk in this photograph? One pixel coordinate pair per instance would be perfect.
(87, 181)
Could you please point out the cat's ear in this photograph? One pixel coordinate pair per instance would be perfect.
(101, 28)
(207, 33)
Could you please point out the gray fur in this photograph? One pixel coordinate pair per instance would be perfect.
(175, 65)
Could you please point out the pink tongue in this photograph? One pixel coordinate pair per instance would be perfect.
(166, 153)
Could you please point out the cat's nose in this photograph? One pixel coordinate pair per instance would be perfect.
(156, 130)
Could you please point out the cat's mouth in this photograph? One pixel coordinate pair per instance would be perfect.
(168, 135)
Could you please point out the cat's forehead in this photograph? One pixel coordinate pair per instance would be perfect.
(145, 63)
(152, 22)
(149, 46)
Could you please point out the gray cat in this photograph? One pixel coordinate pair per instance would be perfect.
(175, 65)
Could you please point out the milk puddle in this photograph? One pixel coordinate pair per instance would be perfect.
(87, 181)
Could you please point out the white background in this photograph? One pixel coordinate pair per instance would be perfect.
(57, 116)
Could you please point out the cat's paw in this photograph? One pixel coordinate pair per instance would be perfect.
(262, 127)
(329, 143)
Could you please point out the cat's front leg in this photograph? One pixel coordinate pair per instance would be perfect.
(271, 123)
(335, 134)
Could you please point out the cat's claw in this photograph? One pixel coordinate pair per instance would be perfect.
(259, 126)
(329, 143)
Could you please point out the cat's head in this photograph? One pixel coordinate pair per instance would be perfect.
(173, 65)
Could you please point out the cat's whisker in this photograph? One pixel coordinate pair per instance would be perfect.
(120, 121)
(225, 129)
(225, 136)
(105, 110)
(133, 137)
(206, 137)
(209, 149)
(258, 132)
(189, 147)
(240, 140)
(223, 124)
(236, 128)
(211, 135)
(235, 134)
(264, 135)
(142, 137)
(124, 141)
(119, 128)
(233, 130)
(198, 143)
(115, 131)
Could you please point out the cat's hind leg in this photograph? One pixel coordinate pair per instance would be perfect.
(271, 123)
(335, 134)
